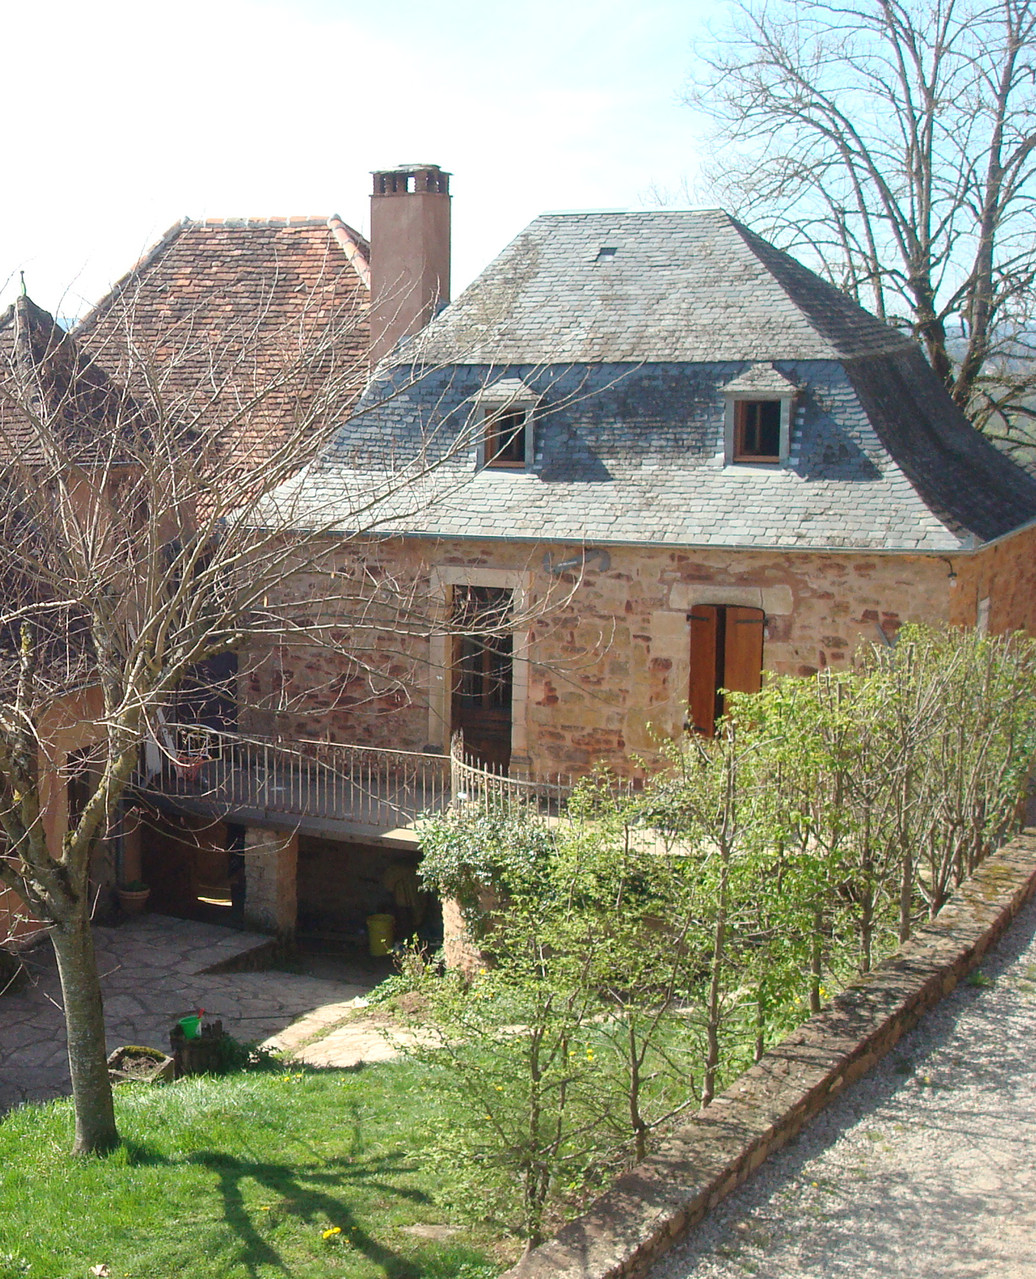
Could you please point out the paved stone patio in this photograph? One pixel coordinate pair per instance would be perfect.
(154, 970)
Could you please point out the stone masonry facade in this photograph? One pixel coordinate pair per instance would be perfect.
(603, 657)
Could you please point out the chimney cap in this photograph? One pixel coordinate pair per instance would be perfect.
(411, 168)
(412, 179)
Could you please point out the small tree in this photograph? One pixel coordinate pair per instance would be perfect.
(509, 1044)
(565, 1051)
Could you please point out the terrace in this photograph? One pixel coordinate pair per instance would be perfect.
(321, 787)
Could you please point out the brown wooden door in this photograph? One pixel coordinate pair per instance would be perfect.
(480, 703)
(726, 653)
(743, 650)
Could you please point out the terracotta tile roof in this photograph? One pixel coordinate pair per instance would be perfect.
(242, 329)
(45, 374)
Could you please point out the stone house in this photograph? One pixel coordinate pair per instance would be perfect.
(651, 458)
(675, 458)
(643, 458)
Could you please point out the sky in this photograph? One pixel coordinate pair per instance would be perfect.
(124, 116)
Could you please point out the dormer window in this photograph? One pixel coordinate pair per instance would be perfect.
(757, 431)
(504, 440)
(757, 418)
(504, 421)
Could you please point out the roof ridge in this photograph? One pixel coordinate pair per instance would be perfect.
(247, 220)
(354, 246)
(627, 213)
(761, 249)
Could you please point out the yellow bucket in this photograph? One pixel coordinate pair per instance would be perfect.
(381, 931)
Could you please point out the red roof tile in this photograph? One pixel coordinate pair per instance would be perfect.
(244, 328)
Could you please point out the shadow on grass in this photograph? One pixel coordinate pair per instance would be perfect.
(303, 1194)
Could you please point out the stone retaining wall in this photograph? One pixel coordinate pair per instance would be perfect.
(648, 1210)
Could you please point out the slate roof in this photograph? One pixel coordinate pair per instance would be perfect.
(221, 308)
(678, 286)
(629, 354)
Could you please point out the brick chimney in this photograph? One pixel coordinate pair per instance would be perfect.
(410, 252)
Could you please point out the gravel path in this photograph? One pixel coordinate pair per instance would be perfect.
(926, 1168)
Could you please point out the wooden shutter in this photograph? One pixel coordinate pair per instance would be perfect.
(743, 650)
(726, 652)
(704, 652)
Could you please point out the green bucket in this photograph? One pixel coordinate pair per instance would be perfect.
(191, 1026)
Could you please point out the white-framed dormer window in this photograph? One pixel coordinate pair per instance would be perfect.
(505, 422)
(758, 408)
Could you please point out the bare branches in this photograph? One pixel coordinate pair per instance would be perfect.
(893, 142)
(130, 551)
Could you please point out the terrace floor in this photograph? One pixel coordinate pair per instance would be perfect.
(155, 969)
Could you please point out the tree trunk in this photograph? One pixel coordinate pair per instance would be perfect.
(84, 1021)
(712, 1022)
(816, 960)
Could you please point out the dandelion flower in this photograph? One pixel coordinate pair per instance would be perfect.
(331, 1232)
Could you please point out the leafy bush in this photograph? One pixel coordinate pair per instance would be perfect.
(469, 851)
(647, 947)
(235, 1055)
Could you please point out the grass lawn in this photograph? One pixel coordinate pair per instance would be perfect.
(240, 1176)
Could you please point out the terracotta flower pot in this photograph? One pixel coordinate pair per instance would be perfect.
(188, 767)
(133, 900)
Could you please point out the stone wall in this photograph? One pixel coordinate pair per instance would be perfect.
(69, 725)
(602, 657)
(613, 664)
(1005, 575)
(650, 1208)
(365, 682)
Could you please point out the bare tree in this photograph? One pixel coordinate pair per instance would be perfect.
(146, 526)
(892, 142)
(130, 552)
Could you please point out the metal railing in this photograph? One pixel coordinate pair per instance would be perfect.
(486, 786)
(362, 785)
(368, 786)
